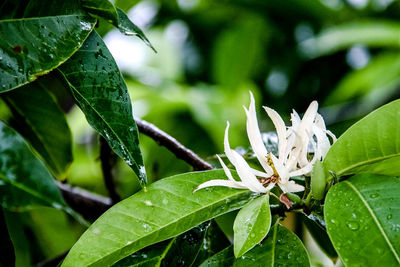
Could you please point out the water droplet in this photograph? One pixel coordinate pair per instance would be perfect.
(374, 195)
(353, 225)
(389, 216)
(148, 203)
(31, 78)
(333, 221)
(165, 201)
(96, 231)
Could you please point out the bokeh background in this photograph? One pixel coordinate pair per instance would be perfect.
(343, 53)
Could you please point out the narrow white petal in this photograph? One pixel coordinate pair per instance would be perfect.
(227, 148)
(226, 183)
(291, 187)
(226, 170)
(323, 143)
(331, 135)
(246, 174)
(254, 135)
(280, 168)
(280, 130)
(261, 174)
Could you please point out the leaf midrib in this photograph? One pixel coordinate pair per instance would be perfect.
(392, 249)
(172, 222)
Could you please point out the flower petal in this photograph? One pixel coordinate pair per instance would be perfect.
(292, 187)
(254, 135)
(280, 130)
(281, 169)
(226, 170)
(218, 182)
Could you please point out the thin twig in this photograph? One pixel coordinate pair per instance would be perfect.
(106, 158)
(164, 139)
(88, 204)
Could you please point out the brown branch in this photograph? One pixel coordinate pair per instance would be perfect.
(164, 139)
(88, 204)
(107, 162)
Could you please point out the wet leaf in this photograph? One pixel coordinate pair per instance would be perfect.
(101, 8)
(318, 181)
(39, 120)
(131, 225)
(223, 258)
(251, 225)
(127, 27)
(30, 47)
(371, 145)
(101, 93)
(363, 221)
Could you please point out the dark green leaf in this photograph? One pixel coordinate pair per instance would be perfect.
(31, 47)
(101, 93)
(318, 181)
(371, 33)
(316, 225)
(39, 120)
(101, 8)
(281, 248)
(251, 225)
(363, 220)
(127, 27)
(223, 258)
(371, 145)
(131, 225)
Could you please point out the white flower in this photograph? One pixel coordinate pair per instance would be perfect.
(293, 152)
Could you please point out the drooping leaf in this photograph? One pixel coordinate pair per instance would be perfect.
(371, 33)
(379, 77)
(251, 225)
(101, 93)
(363, 220)
(39, 120)
(317, 227)
(24, 180)
(33, 46)
(131, 225)
(188, 249)
(101, 8)
(371, 145)
(127, 27)
(223, 258)
(318, 181)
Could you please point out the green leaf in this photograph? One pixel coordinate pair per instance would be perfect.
(39, 120)
(251, 225)
(127, 27)
(371, 33)
(101, 8)
(24, 180)
(317, 227)
(363, 220)
(223, 258)
(318, 181)
(131, 224)
(31, 47)
(281, 248)
(101, 93)
(188, 249)
(371, 145)
(380, 77)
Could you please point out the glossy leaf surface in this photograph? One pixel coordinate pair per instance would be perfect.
(101, 8)
(31, 47)
(363, 220)
(371, 145)
(101, 93)
(223, 258)
(251, 225)
(24, 180)
(131, 225)
(281, 248)
(318, 181)
(39, 120)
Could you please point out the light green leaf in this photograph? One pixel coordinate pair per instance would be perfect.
(31, 47)
(39, 120)
(127, 27)
(380, 76)
(363, 220)
(101, 8)
(101, 93)
(371, 145)
(371, 33)
(318, 181)
(131, 225)
(281, 248)
(251, 225)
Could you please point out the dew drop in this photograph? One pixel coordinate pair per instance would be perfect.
(389, 216)
(148, 203)
(374, 195)
(353, 225)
